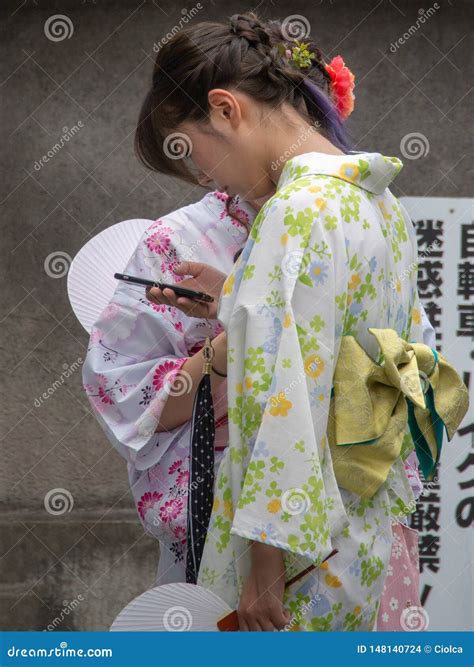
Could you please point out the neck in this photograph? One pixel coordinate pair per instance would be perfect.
(305, 139)
(301, 138)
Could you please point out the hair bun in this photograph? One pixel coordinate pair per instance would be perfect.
(249, 27)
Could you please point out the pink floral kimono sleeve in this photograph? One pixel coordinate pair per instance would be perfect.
(136, 349)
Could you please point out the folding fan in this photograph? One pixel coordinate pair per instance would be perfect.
(174, 608)
(183, 607)
(90, 280)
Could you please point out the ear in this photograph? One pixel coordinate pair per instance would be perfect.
(224, 107)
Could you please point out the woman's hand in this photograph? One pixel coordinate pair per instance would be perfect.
(205, 278)
(261, 602)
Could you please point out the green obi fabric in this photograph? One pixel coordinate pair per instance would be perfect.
(371, 405)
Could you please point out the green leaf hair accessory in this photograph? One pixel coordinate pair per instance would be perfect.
(301, 55)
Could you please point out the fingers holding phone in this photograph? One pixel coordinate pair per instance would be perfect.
(203, 279)
(194, 303)
(189, 307)
(197, 296)
(156, 296)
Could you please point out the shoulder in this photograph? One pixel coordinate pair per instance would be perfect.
(307, 190)
(299, 206)
(173, 236)
(187, 219)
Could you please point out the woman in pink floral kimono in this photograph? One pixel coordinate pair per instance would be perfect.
(136, 349)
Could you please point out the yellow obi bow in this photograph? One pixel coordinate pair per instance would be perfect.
(372, 403)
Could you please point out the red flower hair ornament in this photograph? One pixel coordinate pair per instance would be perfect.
(342, 79)
(342, 86)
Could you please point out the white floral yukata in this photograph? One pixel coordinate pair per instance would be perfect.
(331, 253)
(136, 349)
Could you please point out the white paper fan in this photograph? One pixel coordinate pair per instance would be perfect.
(175, 607)
(90, 281)
(184, 607)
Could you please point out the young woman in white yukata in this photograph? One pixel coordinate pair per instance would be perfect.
(330, 254)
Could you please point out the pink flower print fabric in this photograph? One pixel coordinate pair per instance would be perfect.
(135, 351)
(136, 348)
(400, 606)
(413, 474)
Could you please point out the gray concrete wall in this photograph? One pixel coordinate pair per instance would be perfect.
(97, 550)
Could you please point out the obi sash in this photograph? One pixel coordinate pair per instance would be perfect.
(372, 404)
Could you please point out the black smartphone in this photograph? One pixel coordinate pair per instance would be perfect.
(179, 291)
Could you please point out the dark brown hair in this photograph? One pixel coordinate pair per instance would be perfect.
(244, 54)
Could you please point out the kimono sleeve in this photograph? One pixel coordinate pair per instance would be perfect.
(135, 351)
(289, 311)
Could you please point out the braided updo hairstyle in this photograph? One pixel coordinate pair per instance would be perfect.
(242, 54)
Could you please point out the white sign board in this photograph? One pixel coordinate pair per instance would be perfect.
(445, 512)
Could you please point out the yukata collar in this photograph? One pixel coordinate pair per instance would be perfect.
(372, 172)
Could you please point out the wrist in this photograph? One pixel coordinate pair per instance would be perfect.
(219, 362)
(263, 553)
(267, 564)
(217, 372)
